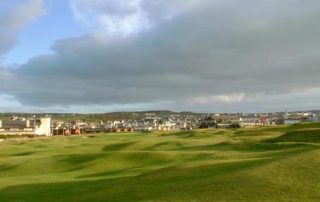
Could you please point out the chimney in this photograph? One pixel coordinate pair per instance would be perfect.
(28, 123)
(0, 123)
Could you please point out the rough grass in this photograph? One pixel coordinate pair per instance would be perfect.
(300, 136)
(263, 164)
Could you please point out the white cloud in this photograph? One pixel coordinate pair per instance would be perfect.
(218, 99)
(126, 16)
(113, 15)
(15, 18)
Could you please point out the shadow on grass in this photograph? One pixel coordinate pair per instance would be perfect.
(248, 147)
(109, 173)
(308, 136)
(155, 146)
(75, 169)
(103, 174)
(117, 147)
(23, 154)
(7, 168)
(168, 146)
(80, 158)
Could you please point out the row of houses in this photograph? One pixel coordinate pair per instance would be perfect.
(228, 121)
(148, 123)
(44, 126)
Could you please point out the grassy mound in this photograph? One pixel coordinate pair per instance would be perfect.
(300, 136)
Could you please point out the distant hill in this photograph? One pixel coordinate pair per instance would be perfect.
(96, 116)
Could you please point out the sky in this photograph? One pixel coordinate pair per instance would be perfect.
(95, 56)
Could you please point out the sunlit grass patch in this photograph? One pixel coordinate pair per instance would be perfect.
(258, 164)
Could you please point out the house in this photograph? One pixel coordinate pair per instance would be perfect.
(313, 118)
(208, 122)
(252, 121)
(167, 126)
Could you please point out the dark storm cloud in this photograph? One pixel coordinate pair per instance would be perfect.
(214, 52)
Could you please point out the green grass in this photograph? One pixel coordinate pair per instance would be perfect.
(262, 164)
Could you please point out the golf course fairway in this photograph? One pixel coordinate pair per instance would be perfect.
(279, 163)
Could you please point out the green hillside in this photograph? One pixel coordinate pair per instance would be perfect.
(262, 164)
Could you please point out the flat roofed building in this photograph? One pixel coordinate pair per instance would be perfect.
(16, 127)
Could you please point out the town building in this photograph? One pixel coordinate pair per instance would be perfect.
(26, 127)
(291, 121)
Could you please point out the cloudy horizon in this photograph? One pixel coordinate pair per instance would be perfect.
(88, 56)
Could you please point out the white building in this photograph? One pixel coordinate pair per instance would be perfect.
(44, 128)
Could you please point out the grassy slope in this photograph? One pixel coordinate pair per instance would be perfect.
(272, 164)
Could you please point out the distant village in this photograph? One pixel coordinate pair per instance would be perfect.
(45, 125)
